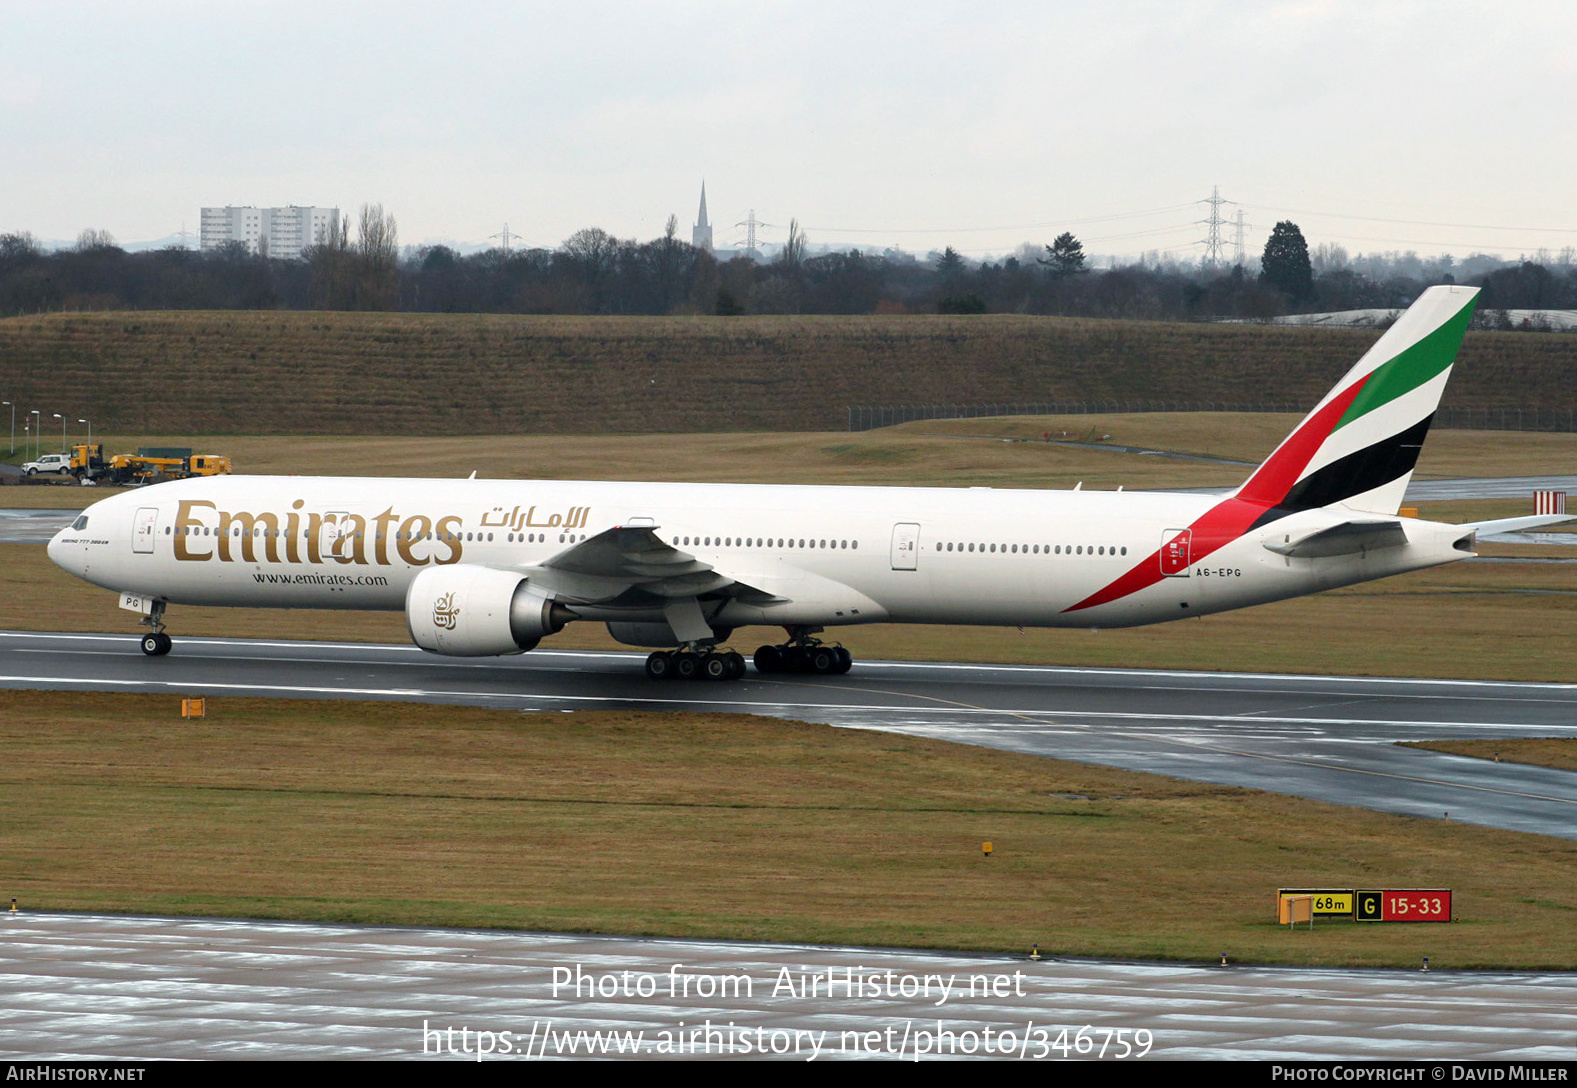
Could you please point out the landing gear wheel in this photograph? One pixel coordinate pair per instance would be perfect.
(736, 666)
(660, 666)
(686, 666)
(769, 659)
(717, 667)
(156, 644)
(824, 661)
(845, 660)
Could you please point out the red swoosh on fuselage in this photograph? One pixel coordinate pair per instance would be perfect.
(1231, 518)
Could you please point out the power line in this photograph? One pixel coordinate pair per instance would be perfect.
(750, 224)
(504, 236)
(1431, 223)
(1045, 224)
(1212, 241)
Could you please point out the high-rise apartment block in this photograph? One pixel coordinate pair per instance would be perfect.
(272, 232)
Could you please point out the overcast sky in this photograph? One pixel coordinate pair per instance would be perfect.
(1442, 126)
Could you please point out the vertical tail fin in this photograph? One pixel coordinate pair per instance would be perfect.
(1360, 444)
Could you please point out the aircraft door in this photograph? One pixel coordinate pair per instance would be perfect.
(1176, 552)
(143, 529)
(906, 546)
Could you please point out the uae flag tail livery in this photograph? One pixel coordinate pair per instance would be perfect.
(489, 567)
(1345, 467)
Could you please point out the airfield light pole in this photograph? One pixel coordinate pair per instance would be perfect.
(38, 431)
(13, 423)
(62, 419)
(89, 422)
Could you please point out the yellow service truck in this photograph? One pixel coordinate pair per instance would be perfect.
(149, 465)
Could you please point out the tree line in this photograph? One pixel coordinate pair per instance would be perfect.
(594, 272)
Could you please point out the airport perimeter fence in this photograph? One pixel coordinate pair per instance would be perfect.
(870, 417)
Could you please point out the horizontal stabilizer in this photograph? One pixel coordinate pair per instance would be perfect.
(1350, 537)
(1516, 525)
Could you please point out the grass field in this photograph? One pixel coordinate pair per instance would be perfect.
(719, 826)
(426, 374)
(943, 453)
(1559, 752)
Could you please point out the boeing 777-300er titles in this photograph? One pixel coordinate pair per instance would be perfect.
(485, 567)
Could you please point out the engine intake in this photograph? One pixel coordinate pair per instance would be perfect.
(475, 611)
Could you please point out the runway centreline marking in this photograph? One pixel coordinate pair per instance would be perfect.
(1035, 717)
(942, 666)
(538, 668)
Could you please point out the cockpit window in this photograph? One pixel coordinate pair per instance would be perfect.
(81, 523)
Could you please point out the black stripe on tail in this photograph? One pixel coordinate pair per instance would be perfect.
(1358, 472)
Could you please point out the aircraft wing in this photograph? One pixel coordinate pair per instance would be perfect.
(626, 564)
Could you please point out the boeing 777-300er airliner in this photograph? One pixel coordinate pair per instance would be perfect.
(487, 567)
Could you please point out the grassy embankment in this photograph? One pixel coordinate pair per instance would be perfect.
(718, 826)
(218, 373)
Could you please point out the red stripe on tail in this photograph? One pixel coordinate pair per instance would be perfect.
(1230, 519)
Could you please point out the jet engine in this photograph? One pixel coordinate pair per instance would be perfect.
(475, 611)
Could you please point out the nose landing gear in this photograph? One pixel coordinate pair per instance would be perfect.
(156, 643)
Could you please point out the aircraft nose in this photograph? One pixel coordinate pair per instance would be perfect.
(62, 555)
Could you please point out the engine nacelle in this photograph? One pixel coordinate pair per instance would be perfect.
(475, 611)
(655, 634)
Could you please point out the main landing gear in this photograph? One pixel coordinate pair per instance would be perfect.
(803, 653)
(690, 664)
(156, 643)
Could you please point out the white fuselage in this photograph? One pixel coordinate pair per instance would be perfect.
(825, 556)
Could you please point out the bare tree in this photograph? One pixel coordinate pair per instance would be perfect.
(95, 239)
(377, 237)
(377, 244)
(793, 254)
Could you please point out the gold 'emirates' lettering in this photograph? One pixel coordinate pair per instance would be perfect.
(204, 532)
(412, 530)
(348, 546)
(293, 532)
(247, 525)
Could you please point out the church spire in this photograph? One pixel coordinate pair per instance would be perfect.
(701, 235)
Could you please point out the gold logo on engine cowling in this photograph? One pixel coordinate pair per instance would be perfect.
(445, 613)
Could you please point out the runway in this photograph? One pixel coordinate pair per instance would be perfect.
(95, 987)
(1330, 738)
